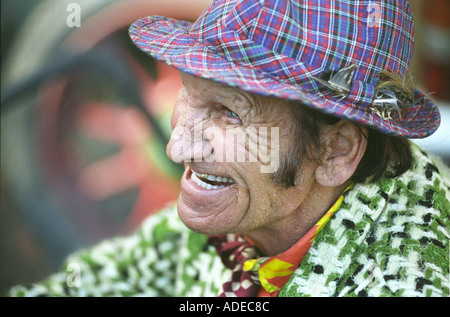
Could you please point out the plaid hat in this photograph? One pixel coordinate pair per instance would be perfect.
(326, 54)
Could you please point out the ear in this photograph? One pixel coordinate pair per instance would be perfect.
(345, 145)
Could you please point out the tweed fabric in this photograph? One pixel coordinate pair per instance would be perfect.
(389, 238)
(276, 48)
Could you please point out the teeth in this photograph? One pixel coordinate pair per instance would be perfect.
(215, 178)
(202, 184)
(196, 178)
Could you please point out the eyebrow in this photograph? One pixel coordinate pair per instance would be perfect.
(226, 95)
(236, 97)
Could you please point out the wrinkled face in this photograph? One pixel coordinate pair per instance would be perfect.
(231, 142)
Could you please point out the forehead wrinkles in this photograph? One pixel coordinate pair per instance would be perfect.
(204, 92)
(269, 110)
(254, 107)
(258, 108)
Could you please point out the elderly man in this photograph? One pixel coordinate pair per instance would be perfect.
(292, 124)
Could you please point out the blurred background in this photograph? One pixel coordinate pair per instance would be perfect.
(85, 118)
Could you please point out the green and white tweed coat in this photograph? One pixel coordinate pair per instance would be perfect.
(389, 238)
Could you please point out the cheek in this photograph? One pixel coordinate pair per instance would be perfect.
(254, 145)
(232, 145)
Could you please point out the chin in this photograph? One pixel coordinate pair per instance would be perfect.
(205, 223)
(209, 210)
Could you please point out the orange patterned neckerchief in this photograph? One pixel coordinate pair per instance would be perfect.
(264, 276)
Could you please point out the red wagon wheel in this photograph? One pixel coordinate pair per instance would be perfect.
(102, 158)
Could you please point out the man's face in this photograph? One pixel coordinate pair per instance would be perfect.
(227, 139)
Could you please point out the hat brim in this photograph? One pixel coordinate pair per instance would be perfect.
(168, 41)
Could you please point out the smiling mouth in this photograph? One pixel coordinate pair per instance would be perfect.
(209, 181)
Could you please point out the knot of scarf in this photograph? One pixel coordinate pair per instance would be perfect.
(235, 250)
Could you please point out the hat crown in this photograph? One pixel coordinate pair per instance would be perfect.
(310, 37)
(327, 54)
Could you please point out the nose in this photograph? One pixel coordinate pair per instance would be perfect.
(188, 142)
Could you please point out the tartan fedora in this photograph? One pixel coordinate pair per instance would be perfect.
(326, 54)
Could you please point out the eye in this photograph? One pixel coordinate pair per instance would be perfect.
(231, 114)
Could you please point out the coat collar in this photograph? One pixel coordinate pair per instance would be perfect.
(332, 252)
